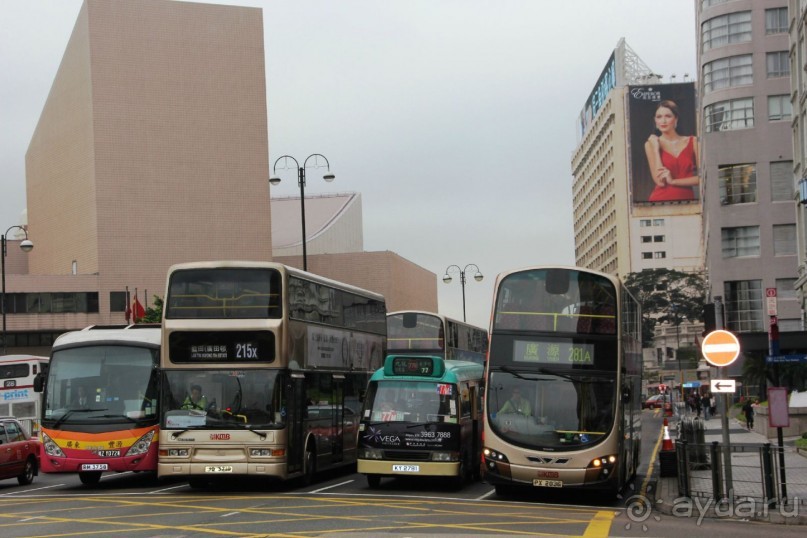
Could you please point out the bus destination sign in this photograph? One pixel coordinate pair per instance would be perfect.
(565, 353)
(419, 366)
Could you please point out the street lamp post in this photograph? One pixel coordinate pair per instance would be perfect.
(329, 176)
(26, 245)
(674, 308)
(456, 268)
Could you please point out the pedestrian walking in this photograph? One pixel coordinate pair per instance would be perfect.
(748, 410)
(713, 405)
(706, 405)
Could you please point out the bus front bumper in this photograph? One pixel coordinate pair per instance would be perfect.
(77, 464)
(407, 468)
(217, 469)
(517, 475)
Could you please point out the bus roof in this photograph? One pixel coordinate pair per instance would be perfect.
(435, 314)
(236, 264)
(23, 358)
(147, 334)
(453, 371)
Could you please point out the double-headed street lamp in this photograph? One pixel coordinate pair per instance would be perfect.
(26, 245)
(329, 176)
(456, 269)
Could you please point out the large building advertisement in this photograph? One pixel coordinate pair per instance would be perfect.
(664, 154)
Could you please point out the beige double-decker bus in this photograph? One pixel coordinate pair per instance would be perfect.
(263, 367)
(563, 381)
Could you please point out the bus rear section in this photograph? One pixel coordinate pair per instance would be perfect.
(100, 410)
(422, 417)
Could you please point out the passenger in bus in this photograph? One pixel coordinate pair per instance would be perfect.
(517, 404)
(195, 400)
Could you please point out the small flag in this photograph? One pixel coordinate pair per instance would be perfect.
(138, 312)
(128, 312)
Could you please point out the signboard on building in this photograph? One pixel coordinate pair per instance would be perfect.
(663, 143)
(596, 98)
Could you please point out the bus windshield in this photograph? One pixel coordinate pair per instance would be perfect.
(553, 411)
(102, 383)
(415, 331)
(556, 300)
(411, 401)
(223, 398)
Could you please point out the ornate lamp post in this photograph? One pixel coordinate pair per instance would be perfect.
(329, 176)
(456, 269)
(26, 245)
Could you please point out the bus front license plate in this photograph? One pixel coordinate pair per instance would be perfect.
(219, 469)
(547, 483)
(94, 467)
(406, 468)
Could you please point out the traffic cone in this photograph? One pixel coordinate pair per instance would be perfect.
(666, 443)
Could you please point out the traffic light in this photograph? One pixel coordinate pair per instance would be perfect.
(709, 319)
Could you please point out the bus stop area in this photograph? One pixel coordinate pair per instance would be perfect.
(692, 477)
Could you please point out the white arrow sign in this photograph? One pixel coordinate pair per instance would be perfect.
(724, 385)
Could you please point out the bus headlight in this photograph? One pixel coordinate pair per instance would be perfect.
(267, 452)
(492, 455)
(51, 448)
(141, 446)
(606, 463)
(445, 456)
(175, 452)
(371, 454)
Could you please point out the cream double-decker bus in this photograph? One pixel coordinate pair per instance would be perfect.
(563, 381)
(263, 367)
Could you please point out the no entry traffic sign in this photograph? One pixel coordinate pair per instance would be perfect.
(720, 348)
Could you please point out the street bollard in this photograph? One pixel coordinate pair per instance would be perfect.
(767, 475)
(717, 475)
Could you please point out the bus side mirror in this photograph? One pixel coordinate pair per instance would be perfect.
(39, 382)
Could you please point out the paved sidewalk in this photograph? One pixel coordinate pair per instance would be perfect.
(746, 464)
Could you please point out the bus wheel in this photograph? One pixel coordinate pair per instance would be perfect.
(504, 490)
(28, 472)
(310, 464)
(462, 472)
(373, 480)
(90, 478)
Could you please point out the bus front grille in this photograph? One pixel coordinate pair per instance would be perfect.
(406, 455)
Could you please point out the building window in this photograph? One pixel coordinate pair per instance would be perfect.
(52, 303)
(710, 3)
(726, 29)
(658, 238)
(738, 184)
(658, 222)
(778, 64)
(728, 73)
(117, 301)
(779, 107)
(743, 300)
(789, 325)
(646, 239)
(660, 255)
(740, 241)
(730, 115)
(784, 239)
(645, 223)
(786, 288)
(782, 181)
(776, 21)
(647, 255)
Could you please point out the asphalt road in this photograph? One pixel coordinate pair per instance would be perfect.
(337, 504)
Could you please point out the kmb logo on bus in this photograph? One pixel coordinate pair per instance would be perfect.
(219, 436)
(548, 474)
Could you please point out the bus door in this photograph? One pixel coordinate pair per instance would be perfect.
(295, 412)
(337, 425)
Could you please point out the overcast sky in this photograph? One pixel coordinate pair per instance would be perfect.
(454, 119)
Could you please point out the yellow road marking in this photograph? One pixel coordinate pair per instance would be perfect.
(649, 474)
(601, 524)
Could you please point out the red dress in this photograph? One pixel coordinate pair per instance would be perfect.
(681, 166)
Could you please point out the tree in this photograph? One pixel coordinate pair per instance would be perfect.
(667, 296)
(154, 314)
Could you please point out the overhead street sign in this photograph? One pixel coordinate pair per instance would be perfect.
(724, 385)
(720, 348)
(786, 358)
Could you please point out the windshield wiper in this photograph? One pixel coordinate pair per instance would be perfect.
(512, 372)
(68, 413)
(262, 435)
(130, 419)
(576, 378)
